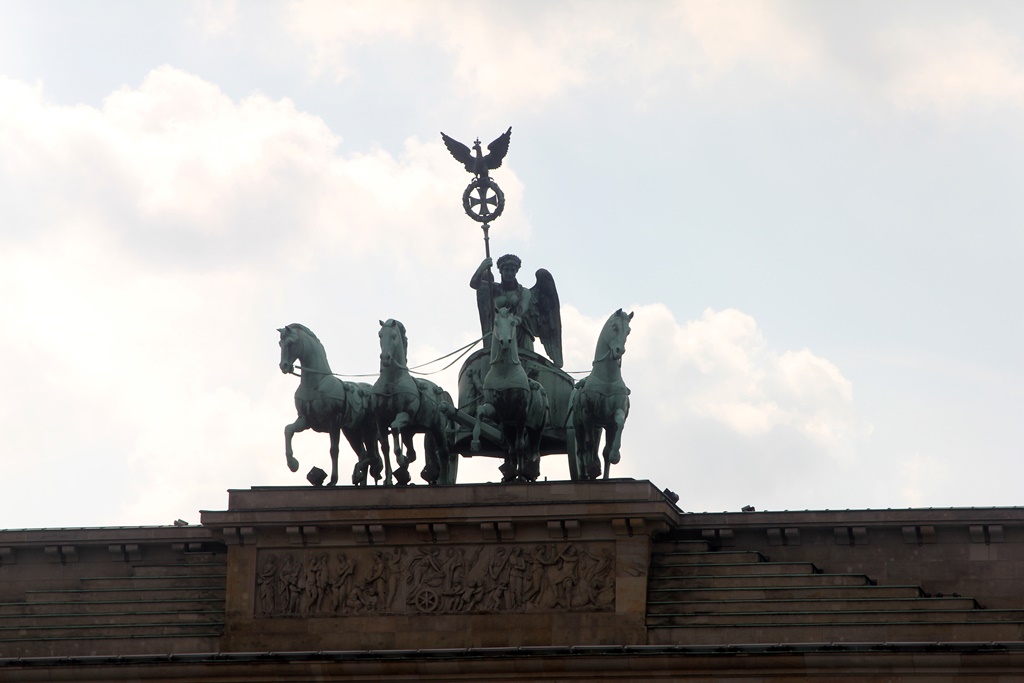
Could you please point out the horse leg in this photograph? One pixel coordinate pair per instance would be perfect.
(300, 425)
(382, 435)
(523, 455)
(335, 438)
(593, 464)
(431, 470)
(483, 410)
(370, 440)
(614, 440)
(401, 420)
(410, 447)
(362, 463)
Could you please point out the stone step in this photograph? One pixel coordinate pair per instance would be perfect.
(879, 632)
(15, 609)
(754, 581)
(134, 629)
(177, 569)
(700, 607)
(15, 624)
(686, 592)
(148, 582)
(680, 546)
(733, 569)
(85, 644)
(766, 618)
(706, 557)
(139, 594)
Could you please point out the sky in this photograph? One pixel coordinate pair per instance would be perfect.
(812, 209)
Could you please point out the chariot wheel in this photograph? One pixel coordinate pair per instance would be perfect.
(483, 200)
(427, 600)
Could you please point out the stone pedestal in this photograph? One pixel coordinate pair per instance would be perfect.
(489, 565)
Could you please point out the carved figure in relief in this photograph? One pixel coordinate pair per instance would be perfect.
(266, 585)
(316, 583)
(599, 582)
(564, 576)
(378, 579)
(517, 567)
(394, 577)
(426, 580)
(544, 557)
(471, 597)
(437, 579)
(290, 585)
(341, 586)
(498, 571)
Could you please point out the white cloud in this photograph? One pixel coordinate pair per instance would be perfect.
(148, 246)
(720, 416)
(525, 54)
(720, 368)
(951, 68)
(214, 17)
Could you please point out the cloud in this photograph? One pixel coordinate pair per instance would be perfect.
(720, 368)
(711, 396)
(507, 56)
(175, 168)
(948, 69)
(150, 248)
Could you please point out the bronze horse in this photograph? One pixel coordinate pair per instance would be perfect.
(406, 406)
(327, 404)
(516, 403)
(601, 401)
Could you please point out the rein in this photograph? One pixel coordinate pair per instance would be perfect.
(462, 351)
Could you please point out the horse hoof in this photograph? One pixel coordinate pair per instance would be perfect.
(293, 464)
(473, 446)
(614, 458)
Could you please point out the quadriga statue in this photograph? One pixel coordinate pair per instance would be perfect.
(405, 406)
(601, 400)
(325, 403)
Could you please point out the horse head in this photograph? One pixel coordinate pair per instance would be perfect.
(394, 344)
(612, 340)
(291, 347)
(504, 335)
(299, 343)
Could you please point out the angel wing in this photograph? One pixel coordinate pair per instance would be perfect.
(547, 316)
(462, 154)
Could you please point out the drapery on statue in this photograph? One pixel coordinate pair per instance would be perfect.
(537, 307)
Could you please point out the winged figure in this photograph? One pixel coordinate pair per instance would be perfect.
(538, 306)
(475, 161)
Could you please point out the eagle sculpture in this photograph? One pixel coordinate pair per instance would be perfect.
(475, 161)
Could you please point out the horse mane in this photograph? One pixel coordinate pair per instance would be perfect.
(305, 329)
(619, 314)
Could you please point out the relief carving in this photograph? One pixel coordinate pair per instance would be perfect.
(437, 580)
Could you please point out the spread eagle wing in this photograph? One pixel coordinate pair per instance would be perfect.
(463, 154)
(498, 149)
(547, 316)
